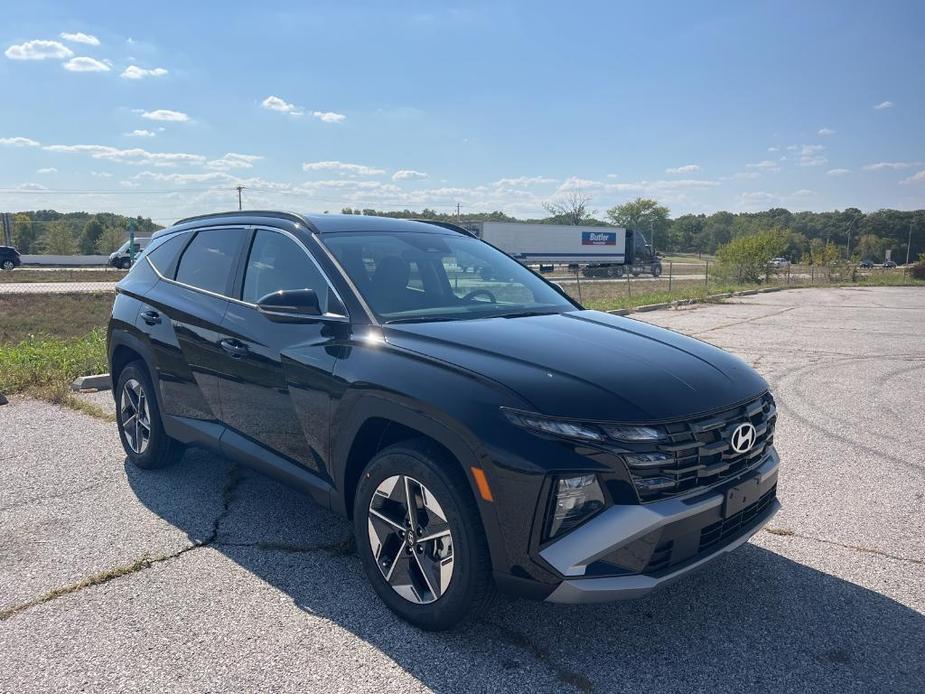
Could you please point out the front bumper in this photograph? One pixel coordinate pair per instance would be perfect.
(634, 534)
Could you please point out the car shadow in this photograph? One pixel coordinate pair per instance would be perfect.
(754, 620)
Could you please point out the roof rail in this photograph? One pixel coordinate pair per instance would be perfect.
(292, 216)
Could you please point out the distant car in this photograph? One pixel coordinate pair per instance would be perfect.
(9, 258)
(121, 258)
(866, 264)
(889, 263)
(779, 262)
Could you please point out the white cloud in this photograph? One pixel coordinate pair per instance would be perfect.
(746, 174)
(918, 177)
(809, 155)
(524, 181)
(129, 156)
(825, 131)
(85, 64)
(838, 172)
(757, 199)
(133, 72)
(38, 50)
(141, 133)
(408, 175)
(80, 37)
(888, 165)
(275, 103)
(233, 161)
(48, 170)
(803, 193)
(353, 169)
(329, 116)
(766, 165)
(774, 149)
(883, 105)
(31, 186)
(18, 142)
(164, 114)
(686, 169)
(101, 174)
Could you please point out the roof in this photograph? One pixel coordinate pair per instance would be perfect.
(327, 223)
(319, 223)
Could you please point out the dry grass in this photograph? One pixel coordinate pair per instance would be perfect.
(51, 315)
(29, 275)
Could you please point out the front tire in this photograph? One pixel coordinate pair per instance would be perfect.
(420, 537)
(125, 264)
(141, 431)
(8, 265)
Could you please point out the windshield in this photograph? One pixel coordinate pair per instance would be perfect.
(409, 276)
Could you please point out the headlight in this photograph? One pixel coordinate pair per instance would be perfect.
(559, 427)
(576, 499)
(645, 460)
(633, 433)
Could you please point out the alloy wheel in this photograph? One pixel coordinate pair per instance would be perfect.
(410, 539)
(135, 416)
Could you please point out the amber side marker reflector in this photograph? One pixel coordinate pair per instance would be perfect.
(482, 483)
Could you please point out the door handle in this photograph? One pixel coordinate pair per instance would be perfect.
(235, 348)
(151, 317)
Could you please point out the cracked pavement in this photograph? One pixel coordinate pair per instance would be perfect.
(209, 577)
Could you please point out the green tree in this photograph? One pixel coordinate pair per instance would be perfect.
(25, 234)
(642, 215)
(90, 236)
(58, 239)
(570, 209)
(110, 239)
(747, 258)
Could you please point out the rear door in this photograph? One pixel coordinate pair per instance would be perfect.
(182, 317)
(280, 380)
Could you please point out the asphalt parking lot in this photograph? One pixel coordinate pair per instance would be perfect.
(208, 577)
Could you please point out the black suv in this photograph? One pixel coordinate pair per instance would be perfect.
(478, 433)
(9, 258)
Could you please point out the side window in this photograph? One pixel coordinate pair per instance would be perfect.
(164, 256)
(277, 262)
(208, 262)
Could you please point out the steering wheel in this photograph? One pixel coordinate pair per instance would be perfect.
(480, 292)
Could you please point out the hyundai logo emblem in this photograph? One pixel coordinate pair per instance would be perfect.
(743, 438)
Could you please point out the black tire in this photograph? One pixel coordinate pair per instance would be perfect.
(125, 263)
(8, 265)
(160, 450)
(470, 587)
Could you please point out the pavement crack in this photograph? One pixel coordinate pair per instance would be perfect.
(787, 532)
(564, 675)
(746, 320)
(342, 547)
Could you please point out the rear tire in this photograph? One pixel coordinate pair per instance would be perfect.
(8, 265)
(125, 264)
(457, 565)
(138, 417)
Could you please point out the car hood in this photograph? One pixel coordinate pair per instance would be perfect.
(589, 365)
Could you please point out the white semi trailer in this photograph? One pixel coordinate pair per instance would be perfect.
(598, 251)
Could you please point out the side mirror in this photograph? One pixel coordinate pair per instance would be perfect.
(290, 305)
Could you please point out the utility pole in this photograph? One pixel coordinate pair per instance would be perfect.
(239, 188)
(909, 242)
(457, 213)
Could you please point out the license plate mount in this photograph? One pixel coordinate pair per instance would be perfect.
(741, 495)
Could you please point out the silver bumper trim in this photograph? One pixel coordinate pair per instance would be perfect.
(582, 590)
(620, 525)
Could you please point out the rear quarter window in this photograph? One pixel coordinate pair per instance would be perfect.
(164, 256)
(208, 261)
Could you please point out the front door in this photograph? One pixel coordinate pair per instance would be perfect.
(278, 377)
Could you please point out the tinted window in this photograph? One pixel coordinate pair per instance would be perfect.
(277, 262)
(163, 257)
(422, 276)
(208, 261)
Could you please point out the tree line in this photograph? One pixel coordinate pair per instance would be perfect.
(75, 233)
(851, 232)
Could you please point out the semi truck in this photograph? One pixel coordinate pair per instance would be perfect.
(596, 251)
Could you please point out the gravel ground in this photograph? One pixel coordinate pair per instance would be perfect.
(208, 577)
(56, 287)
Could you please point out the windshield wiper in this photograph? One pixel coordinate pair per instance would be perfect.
(524, 314)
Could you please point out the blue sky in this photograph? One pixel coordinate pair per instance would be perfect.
(160, 109)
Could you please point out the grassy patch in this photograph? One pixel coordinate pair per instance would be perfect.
(27, 275)
(44, 366)
(52, 315)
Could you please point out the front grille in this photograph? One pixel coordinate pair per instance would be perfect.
(699, 453)
(721, 530)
